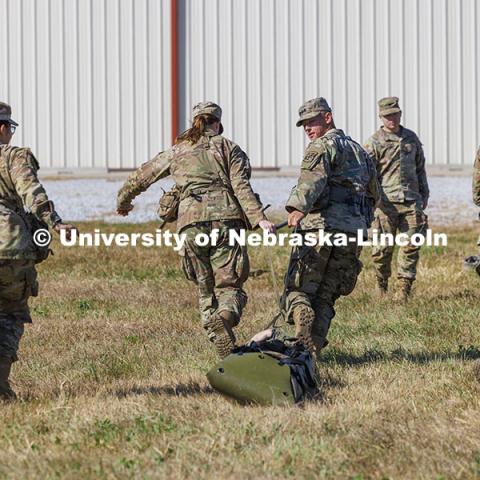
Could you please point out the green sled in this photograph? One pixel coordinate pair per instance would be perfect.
(253, 377)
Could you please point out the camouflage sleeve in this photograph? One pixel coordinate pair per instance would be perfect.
(373, 187)
(149, 173)
(240, 172)
(371, 150)
(23, 172)
(314, 174)
(476, 180)
(421, 173)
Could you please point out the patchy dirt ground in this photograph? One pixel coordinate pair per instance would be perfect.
(94, 199)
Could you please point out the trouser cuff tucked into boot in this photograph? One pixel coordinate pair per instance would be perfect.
(405, 288)
(6, 392)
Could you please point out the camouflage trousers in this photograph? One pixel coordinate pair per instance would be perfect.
(317, 277)
(218, 271)
(395, 218)
(18, 281)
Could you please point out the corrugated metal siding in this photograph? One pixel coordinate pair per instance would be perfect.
(89, 80)
(261, 59)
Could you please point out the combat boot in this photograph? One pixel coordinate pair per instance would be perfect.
(319, 342)
(382, 286)
(220, 332)
(405, 289)
(6, 392)
(303, 318)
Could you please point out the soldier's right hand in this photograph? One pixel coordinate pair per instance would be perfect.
(267, 225)
(124, 210)
(262, 336)
(294, 218)
(65, 226)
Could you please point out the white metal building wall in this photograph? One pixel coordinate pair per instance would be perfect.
(89, 80)
(261, 59)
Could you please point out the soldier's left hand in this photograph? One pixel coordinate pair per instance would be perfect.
(294, 218)
(425, 204)
(267, 225)
(262, 336)
(65, 226)
(124, 211)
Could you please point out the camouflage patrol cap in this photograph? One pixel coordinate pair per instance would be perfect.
(6, 114)
(311, 109)
(207, 108)
(388, 105)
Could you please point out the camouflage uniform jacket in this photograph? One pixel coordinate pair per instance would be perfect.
(476, 180)
(400, 164)
(213, 176)
(337, 188)
(20, 189)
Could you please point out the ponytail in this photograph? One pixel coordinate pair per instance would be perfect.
(197, 130)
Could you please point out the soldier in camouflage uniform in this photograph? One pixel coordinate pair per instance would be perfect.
(213, 176)
(19, 190)
(476, 180)
(400, 163)
(336, 192)
(474, 260)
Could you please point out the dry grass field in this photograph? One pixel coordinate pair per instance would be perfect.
(112, 377)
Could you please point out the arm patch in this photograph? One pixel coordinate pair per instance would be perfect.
(313, 155)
